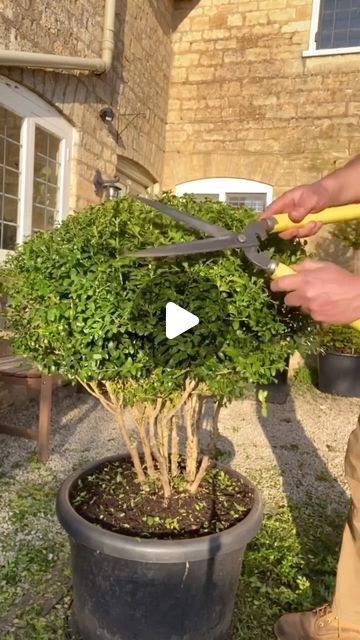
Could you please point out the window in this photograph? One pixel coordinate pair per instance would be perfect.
(255, 201)
(335, 27)
(235, 191)
(35, 148)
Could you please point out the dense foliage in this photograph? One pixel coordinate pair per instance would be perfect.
(80, 308)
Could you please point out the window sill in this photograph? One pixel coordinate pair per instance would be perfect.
(329, 52)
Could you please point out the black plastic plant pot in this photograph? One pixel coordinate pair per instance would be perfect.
(339, 373)
(126, 588)
(278, 390)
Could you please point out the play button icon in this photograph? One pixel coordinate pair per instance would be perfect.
(178, 320)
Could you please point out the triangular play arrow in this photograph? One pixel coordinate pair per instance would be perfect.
(178, 320)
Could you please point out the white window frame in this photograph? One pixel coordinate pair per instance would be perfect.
(314, 25)
(36, 112)
(222, 186)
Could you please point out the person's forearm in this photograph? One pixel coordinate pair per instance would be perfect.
(343, 185)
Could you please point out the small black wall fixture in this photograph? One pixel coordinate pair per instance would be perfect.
(107, 188)
(107, 115)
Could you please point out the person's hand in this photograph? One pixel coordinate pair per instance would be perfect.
(297, 203)
(325, 291)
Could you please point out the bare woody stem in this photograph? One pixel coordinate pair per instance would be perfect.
(205, 463)
(174, 448)
(134, 454)
(141, 420)
(116, 407)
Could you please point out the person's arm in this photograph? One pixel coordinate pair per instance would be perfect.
(343, 185)
(337, 188)
(323, 290)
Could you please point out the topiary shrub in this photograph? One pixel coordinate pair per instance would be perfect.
(79, 307)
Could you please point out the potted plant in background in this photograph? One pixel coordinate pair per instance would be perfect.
(157, 535)
(339, 361)
(339, 346)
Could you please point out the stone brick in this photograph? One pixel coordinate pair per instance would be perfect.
(212, 58)
(293, 27)
(226, 44)
(256, 17)
(303, 12)
(186, 60)
(272, 4)
(235, 20)
(201, 73)
(199, 23)
(282, 15)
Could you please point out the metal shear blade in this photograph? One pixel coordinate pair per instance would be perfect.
(249, 240)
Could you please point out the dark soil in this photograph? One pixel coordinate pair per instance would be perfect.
(112, 498)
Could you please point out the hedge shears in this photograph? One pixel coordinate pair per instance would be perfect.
(249, 240)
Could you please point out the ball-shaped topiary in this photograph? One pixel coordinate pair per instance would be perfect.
(79, 307)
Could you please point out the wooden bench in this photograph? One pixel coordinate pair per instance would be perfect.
(16, 370)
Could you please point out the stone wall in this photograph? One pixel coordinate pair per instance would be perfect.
(245, 103)
(136, 86)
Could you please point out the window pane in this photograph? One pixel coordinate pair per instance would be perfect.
(38, 219)
(354, 37)
(49, 220)
(53, 148)
(13, 126)
(255, 201)
(327, 21)
(10, 206)
(53, 170)
(8, 236)
(45, 188)
(340, 39)
(342, 20)
(12, 154)
(11, 183)
(1, 179)
(40, 167)
(51, 197)
(355, 19)
(329, 5)
(41, 141)
(2, 150)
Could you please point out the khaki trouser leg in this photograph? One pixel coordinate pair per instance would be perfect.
(346, 602)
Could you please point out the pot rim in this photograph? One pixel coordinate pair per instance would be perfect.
(152, 549)
(339, 353)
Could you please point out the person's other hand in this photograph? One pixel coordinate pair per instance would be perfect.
(325, 291)
(297, 203)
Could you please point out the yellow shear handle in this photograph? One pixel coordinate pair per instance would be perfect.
(283, 270)
(327, 216)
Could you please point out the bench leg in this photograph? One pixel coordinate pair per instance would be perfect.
(44, 418)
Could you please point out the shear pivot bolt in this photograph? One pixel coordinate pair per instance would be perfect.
(242, 238)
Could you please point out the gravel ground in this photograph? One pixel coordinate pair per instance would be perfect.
(295, 455)
(302, 442)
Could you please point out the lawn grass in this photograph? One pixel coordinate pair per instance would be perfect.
(291, 564)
